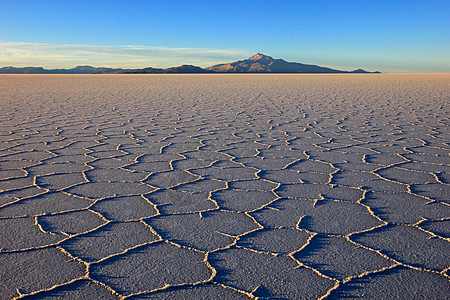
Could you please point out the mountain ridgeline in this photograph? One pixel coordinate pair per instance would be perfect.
(258, 63)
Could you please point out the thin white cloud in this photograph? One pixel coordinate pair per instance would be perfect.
(133, 56)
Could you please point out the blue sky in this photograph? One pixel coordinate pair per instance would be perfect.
(390, 36)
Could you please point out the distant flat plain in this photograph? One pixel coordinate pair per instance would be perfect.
(224, 186)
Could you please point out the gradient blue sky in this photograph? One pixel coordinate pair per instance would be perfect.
(390, 36)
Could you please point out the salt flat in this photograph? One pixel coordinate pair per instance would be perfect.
(224, 186)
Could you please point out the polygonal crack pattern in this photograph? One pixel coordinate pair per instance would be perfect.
(224, 187)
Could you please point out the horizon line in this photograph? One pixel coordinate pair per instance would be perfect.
(69, 56)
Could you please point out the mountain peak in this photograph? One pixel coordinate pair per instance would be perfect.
(260, 56)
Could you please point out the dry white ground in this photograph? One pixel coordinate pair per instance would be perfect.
(224, 186)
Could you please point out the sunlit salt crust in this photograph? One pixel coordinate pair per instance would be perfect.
(224, 186)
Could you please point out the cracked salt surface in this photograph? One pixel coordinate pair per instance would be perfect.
(224, 186)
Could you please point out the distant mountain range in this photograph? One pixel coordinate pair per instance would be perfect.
(258, 63)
